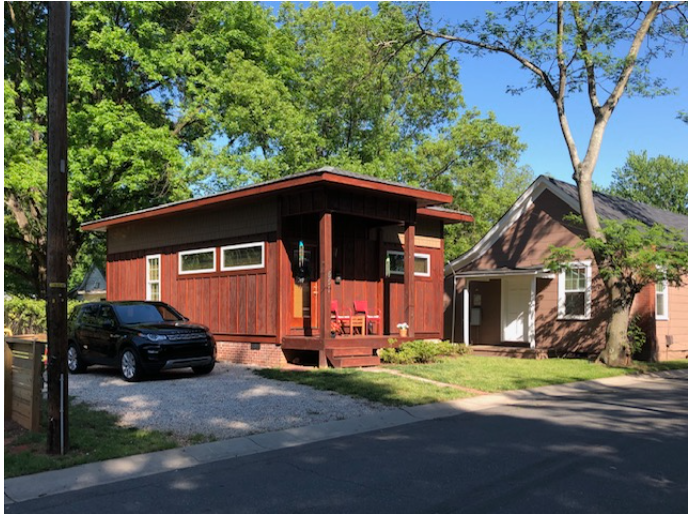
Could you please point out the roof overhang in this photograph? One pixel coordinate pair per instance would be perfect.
(323, 176)
(505, 273)
(445, 215)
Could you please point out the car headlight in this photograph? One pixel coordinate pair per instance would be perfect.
(155, 337)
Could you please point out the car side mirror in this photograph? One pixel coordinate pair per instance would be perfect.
(109, 324)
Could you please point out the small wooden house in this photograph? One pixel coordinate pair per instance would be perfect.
(326, 263)
(92, 287)
(500, 299)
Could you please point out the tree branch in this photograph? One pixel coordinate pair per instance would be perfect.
(499, 48)
(587, 58)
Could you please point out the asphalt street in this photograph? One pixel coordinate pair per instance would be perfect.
(608, 449)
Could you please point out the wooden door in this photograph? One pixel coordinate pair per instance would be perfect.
(304, 313)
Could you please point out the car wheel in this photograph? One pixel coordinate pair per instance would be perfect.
(75, 363)
(129, 365)
(203, 370)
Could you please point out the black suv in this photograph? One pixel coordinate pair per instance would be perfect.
(137, 337)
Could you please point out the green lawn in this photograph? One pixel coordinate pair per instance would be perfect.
(495, 374)
(377, 387)
(485, 374)
(94, 436)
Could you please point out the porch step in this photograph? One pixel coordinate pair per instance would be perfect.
(356, 361)
(353, 357)
(512, 352)
(349, 352)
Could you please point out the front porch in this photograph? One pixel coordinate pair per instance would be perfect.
(343, 351)
(367, 261)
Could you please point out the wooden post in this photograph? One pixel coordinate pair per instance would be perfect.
(281, 305)
(8, 381)
(325, 277)
(56, 310)
(409, 277)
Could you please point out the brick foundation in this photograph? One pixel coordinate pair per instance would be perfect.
(261, 354)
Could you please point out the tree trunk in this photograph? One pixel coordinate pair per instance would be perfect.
(617, 352)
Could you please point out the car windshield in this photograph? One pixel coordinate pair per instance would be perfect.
(134, 314)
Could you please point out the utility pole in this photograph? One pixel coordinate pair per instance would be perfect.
(56, 310)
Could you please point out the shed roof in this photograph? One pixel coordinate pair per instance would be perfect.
(327, 175)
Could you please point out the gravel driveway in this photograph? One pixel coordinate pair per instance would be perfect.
(230, 402)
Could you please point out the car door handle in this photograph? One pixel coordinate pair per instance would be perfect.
(113, 336)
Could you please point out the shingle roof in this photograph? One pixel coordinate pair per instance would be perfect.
(616, 208)
(607, 207)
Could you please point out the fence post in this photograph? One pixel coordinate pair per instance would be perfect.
(8, 381)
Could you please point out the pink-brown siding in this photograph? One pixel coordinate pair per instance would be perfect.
(676, 326)
(525, 244)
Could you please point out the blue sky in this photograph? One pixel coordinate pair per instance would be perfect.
(637, 124)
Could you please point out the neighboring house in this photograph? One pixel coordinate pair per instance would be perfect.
(92, 288)
(504, 297)
(262, 265)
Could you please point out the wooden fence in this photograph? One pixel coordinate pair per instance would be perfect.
(23, 368)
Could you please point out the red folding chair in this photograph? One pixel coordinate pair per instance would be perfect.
(339, 321)
(362, 307)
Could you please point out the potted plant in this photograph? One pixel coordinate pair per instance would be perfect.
(403, 328)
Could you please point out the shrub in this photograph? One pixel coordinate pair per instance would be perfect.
(636, 336)
(420, 352)
(28, 316)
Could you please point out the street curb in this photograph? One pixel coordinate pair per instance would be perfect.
(100, 473)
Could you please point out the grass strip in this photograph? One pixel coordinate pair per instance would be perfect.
(94, 436)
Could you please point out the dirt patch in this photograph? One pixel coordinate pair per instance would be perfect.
(13, 431)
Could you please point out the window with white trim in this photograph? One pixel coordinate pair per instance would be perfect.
(153, 278)
(242, 257)
(422, 263)
(662, 300)
(575, 291)
(197, 261)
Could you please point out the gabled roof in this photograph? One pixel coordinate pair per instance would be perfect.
(328, 175)
(94, 280)
(607, 207)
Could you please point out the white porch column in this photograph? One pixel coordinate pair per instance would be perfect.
(532, 333)
(466, 316)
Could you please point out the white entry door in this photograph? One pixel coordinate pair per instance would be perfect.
(517, 296)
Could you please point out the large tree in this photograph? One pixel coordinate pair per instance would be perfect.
(170, 99)
(601, 50)
(661, 181)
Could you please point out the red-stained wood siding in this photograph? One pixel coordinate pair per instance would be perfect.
(358, 265)
(428, 298)
(232, 303)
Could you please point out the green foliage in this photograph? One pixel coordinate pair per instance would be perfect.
(421, 352)
(632, 254)
(660, 181)
(28, 316)
(636, 336)
(170, 99)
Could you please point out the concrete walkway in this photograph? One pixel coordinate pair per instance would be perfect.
(115, 470)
